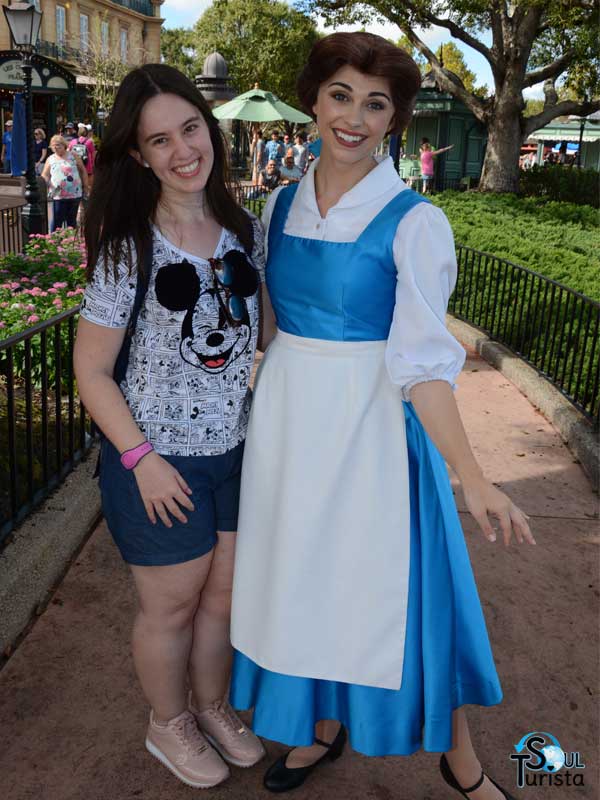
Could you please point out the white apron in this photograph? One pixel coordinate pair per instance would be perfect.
(323, 549)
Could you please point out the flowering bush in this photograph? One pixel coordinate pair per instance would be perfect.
(41, 282)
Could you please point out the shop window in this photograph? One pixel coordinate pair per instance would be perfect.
(61, 25)
(84, 32)
(105, 37)
(124, 45)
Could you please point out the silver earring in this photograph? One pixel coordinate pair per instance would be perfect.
(146, 164)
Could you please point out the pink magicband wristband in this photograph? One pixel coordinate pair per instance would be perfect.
(131, 458)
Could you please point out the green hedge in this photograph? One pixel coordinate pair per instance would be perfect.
(558, 240)
(564, 184)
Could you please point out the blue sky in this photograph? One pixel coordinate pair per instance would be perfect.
(185, 13)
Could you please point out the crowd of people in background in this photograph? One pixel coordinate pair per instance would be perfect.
(549, 159)
(66, 164)
(278, 162)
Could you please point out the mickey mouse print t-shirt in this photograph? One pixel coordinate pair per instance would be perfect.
(190, 359)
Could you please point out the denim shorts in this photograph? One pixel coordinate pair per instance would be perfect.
(215, 485)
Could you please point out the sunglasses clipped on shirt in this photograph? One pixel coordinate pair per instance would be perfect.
(234, 278)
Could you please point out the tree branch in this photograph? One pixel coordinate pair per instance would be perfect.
(497, 34)
(559, 110)
(552, 70)
(460, 33)
(471, 101)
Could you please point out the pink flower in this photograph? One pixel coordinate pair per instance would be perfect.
(2, 324)
(60, 285)
(57, 301)
(52, 290)
(32, 318)
(15, 285)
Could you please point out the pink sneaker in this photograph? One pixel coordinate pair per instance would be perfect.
(181, 747)
(228, 734)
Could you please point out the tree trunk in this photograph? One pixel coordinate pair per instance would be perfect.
(500, 172)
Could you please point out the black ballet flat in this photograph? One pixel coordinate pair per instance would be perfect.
(448, 776)
(280, 778)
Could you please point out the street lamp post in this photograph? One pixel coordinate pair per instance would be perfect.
(24, 22)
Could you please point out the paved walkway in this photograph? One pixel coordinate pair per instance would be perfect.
(72, 717)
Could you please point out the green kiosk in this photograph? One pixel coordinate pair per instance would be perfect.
(444, 120)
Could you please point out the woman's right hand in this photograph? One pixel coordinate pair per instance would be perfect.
(163, 489)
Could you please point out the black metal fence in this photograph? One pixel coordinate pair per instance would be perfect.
(44, 430)
(551, 327)
(11, 230)
(250, 197)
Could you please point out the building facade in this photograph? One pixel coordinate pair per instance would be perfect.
(70, 31)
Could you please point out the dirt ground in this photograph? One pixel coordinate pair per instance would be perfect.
(72, 717)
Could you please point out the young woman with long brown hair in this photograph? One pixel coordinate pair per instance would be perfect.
(164, 351)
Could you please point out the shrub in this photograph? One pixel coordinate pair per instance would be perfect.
(558, 240)
(566, 184)
(41, 282)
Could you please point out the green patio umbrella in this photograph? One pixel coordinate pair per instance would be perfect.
(257, 105)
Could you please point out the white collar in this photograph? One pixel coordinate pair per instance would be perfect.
(379, 180)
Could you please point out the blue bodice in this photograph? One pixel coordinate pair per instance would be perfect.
(339, 291)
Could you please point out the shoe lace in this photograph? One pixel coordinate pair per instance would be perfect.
(232, 722)
(189, 736)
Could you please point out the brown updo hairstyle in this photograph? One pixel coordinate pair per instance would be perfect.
(371, 55)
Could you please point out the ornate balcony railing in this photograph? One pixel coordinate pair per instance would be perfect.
(141, 6)
(61, 52)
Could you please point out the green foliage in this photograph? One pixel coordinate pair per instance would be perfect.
(453, 59)
(558, 240)
(560, 183)
(571, 26)
(41, 282)
(263, 41)
(177, 50)
(533, 106)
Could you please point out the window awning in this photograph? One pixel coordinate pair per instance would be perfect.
(567, 132)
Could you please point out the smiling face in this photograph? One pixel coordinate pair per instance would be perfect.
(354, 112)
(211, 343)
(174, 140)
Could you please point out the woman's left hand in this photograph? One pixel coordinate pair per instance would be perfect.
(482, 498)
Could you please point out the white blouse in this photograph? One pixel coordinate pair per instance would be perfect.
(419, 347)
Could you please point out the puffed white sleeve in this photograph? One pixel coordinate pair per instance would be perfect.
(419, 347)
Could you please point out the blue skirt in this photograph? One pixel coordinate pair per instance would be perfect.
(448, 661)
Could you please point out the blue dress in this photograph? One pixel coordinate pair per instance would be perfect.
(330, 299)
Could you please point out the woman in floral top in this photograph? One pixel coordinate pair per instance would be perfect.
(65, 174)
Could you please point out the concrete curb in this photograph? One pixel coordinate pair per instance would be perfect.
(42, 549)
(573, 427)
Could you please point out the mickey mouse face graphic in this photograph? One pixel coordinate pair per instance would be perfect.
(216, 328)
